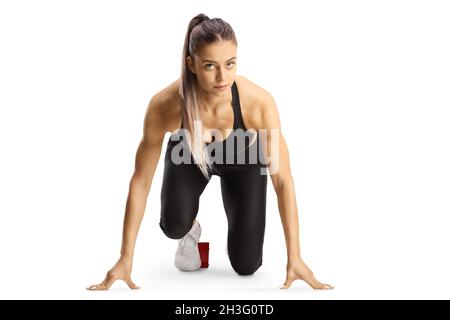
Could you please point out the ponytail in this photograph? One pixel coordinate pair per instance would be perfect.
(201, 30)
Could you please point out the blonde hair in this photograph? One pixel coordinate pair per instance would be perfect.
(201, 31)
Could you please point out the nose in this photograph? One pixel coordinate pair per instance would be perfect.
(219, 75)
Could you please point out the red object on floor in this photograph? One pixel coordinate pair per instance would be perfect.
(203, 248)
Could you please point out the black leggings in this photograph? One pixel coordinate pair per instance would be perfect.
(244, 199)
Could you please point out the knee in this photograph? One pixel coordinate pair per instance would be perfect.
(246, 268)
(174, 230)
(177, 216)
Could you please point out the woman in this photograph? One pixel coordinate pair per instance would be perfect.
(199, 109)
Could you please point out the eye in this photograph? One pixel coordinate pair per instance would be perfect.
(231, 64)
(208, 65)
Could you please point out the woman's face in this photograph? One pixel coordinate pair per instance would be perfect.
(215, 67)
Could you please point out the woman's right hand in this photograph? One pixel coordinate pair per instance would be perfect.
(120, 271)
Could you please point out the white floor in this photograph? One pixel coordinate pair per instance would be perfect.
(363, 98)
(161, 280)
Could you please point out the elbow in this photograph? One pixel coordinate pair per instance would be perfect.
(138, 181)
(280, 183)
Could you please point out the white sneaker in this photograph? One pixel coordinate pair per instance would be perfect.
(187, 257)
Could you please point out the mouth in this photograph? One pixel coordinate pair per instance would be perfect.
(221, 87)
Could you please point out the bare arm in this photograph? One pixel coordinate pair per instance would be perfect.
(147, 157)
(279, 169)
(281, 177)
(146, 160)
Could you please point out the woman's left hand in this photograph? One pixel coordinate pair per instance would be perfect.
(298, 270)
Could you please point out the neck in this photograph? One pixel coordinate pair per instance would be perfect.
(210, 103)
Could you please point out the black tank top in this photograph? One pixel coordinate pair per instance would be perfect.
(246, 144)
(238, 122)
(243, 142)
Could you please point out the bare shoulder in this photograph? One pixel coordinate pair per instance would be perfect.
(257, 104)
(163, 111)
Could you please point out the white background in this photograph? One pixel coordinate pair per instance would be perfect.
(362, 88)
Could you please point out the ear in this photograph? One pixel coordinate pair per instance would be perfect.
(190, 64)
